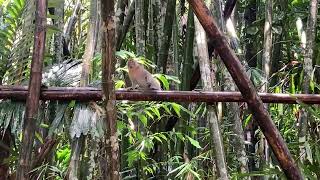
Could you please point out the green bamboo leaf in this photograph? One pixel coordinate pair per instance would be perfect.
(177, 108)
(143, 119)
(38, 136)
(195, 143)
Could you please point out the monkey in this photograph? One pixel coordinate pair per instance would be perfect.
(141, 78)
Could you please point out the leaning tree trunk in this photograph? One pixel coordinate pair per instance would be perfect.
(307, 72)
(110, 165)
(207, 79)
(32, 103)
(246, 88)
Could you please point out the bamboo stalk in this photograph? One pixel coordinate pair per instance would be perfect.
(33, 93)
(95, 94)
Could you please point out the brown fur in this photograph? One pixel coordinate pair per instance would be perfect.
(141, 78)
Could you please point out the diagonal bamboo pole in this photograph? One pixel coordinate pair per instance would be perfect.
(247, 90)
(32, 104)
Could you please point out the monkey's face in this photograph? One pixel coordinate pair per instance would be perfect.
(132, 64)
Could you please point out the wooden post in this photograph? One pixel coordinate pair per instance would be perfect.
(110, 148)
(32, 104)
(247, 90)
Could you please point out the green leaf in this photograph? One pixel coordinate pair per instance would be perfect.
(54, 3)
(156, 111)
(165, 107)
(119, 84)
(180, 136)
(252, 30)
(177, 108)
(158, 139)
(125, 54)
(121, 126)
(195, 143)
(43, 125)
(162, 136)
(163, 80)
(38, 136)
(247, 120)
(143, 119)
(149, 114)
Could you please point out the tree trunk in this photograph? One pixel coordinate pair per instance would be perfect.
(110, 164)
(207, 79)
(58, 36)
(121, 7)
(232, 110)
(307, 72)
(245, 86)
(140, 28)
(251, 59)
(32, 103)
(188, 53)
(5, 153)
(126, 23)
(250, 50)
(266, 66)
(90, 44)
(166, 41)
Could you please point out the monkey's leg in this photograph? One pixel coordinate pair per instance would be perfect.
(133, 86)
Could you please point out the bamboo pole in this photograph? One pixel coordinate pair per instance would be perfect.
(246, 88)
(33, 94)
(95, 94)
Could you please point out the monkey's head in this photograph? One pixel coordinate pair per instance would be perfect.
(132, 64)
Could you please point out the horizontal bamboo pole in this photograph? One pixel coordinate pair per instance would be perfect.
(95, 94)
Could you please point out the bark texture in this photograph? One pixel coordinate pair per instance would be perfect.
(110, 164)
(140, 27)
